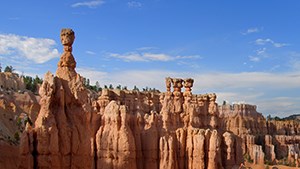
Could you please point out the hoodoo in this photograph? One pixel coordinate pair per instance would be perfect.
(125, 129)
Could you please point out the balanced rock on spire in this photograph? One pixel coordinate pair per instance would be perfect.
(67, 63)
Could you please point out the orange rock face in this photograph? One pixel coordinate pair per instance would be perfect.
(16, 105)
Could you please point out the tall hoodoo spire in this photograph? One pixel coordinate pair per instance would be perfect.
(67, 63)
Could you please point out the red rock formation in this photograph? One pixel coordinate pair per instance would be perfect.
(116, 146)
(264, 140)
(16, 106)
(62, 137)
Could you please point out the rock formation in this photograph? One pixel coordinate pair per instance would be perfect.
(62, 137)
(11, 81)
(264, 140)
(145, 130)
(17, 105)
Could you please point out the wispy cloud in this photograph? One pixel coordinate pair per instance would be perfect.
(39, 50)
(14, 18)
(92, 74)
(147, 56)
(89, 4)
(147, 48)
(134, 4)
(252, 30)
(90, 52)
(262, 52)
(294, 64)
(259, 55)
(254, 58)
(270, 41)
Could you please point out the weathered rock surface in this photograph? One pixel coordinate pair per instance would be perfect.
(16, 105)
(9, 156)
(62, 137)
(11, 81)
(264, 140)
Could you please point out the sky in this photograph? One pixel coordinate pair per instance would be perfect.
(244, 51)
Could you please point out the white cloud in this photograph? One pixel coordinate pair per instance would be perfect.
(252, 30)
(147, 56)
(39, 50)
(90, 4)
(294, 64)
(132, 56)
(90, 52)
(279, 45)
(92, 74)
(189, 57)
(157, 57)
(254, 58)
(259, 55)
(270, 41)
(275, 67)
(279, 106)
(261, 52)
(263, 41)
(134, 4)
(236, 97)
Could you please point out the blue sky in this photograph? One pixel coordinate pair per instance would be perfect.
(245, 51)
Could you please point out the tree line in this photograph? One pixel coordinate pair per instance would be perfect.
(97, 87)
(7, 69)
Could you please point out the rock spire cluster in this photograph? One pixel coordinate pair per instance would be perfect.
(141, 130)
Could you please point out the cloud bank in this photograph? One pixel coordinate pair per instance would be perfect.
(38, 50)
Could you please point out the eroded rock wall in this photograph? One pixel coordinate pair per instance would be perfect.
(11, 81)
(264, 140)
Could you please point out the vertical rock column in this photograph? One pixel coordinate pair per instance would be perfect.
(269, 148)
(213, 111)
(116, 146)
(62, 136)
